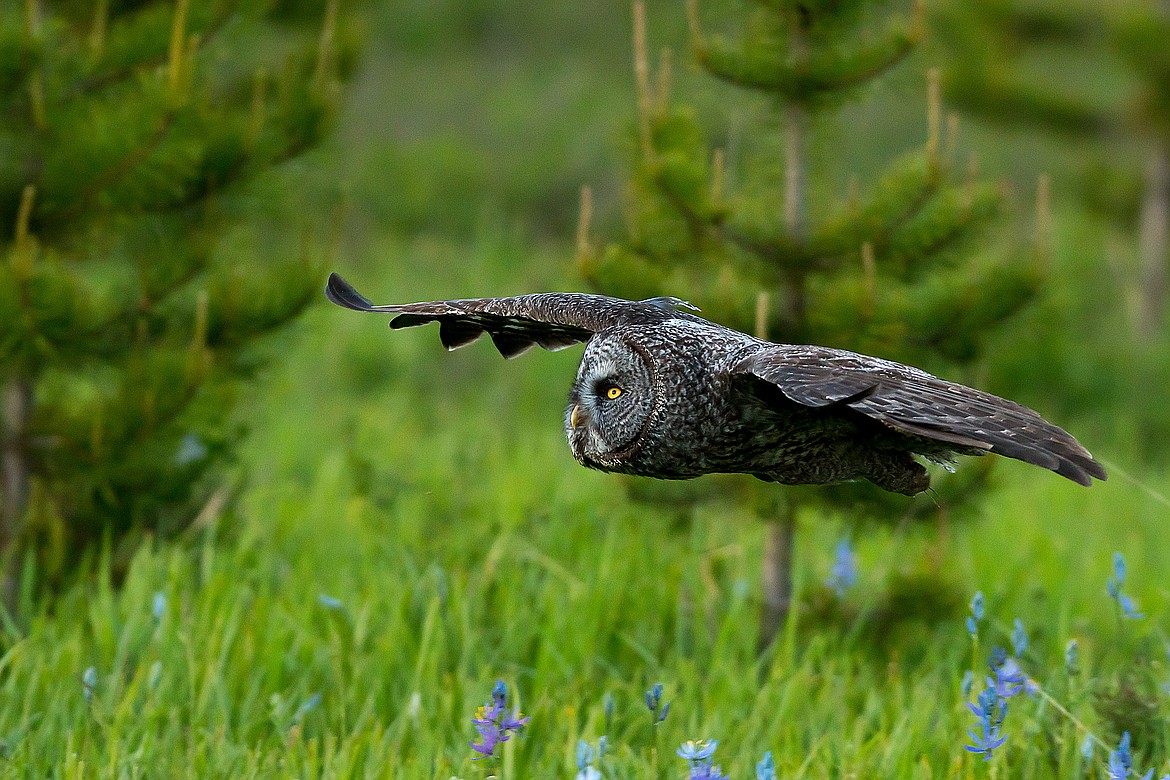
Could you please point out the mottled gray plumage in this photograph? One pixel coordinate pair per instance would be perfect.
(661, 392)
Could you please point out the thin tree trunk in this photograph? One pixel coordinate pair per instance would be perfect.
(1154, 240)
(776, 573)
(781, 531)
(795, 118)
(14, 475)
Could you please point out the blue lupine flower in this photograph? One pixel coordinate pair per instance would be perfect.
(88, 683)
(1072, 664)
(494, 723)
(190, 450)
(1120, 761)
(158, 605)
(698, 751)
(1009, 678)
(1129, 608)
(766, 769)
(976, 614)
(990, 711)
(1114, 585)
(307, 706)
(602, 745)
(987, 741)
(698, 755)
(654, 703)
(1087, 748)
(654, 697)
(968, 683)
(585, 768)
(1019, 637)
(977, 605)
(707, 773)
(329, 602)
(608, 705)
(843, 575)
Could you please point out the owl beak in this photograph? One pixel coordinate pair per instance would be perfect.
(575, 416)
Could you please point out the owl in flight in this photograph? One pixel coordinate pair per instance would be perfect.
(662, 392)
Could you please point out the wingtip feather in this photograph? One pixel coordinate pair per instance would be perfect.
(342, 293)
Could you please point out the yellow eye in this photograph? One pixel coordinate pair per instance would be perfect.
(613, 393)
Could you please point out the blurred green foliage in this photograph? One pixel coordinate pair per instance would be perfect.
(132, 134)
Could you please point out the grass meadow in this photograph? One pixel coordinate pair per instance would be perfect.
(404, 538)
(404, 528)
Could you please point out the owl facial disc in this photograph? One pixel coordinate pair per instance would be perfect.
(609, 405)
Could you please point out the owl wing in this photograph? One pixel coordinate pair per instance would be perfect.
(551, 320)
(912, 401)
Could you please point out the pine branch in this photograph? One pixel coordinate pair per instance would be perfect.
(100, 81)
(817, 78)
(114, 173)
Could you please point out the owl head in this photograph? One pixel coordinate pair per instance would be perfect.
(610, 404)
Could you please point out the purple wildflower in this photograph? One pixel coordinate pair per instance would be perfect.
(494, 723)
(1072, 657)
(89, 681)
(990, 711)
(329, 602)
(698, 755)
(1114, 585)
(585, 768)
(1009, 678)
(976, 613)
(1120, 761)
(158, 605)
(843, 575)
(1019, 638)
(697, 751)
(1129, 608)
(766, 768)
(654, 703)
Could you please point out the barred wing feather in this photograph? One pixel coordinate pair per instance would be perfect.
(549, 320)
(914, 402)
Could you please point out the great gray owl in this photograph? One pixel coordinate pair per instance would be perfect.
(663, 393)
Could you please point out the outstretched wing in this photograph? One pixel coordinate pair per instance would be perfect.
(551, 320)
(915, 402)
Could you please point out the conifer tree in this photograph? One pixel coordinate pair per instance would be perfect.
(1096, 73)
(130, 130)
(886, 270)
(992, 68)
(1142, 35)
